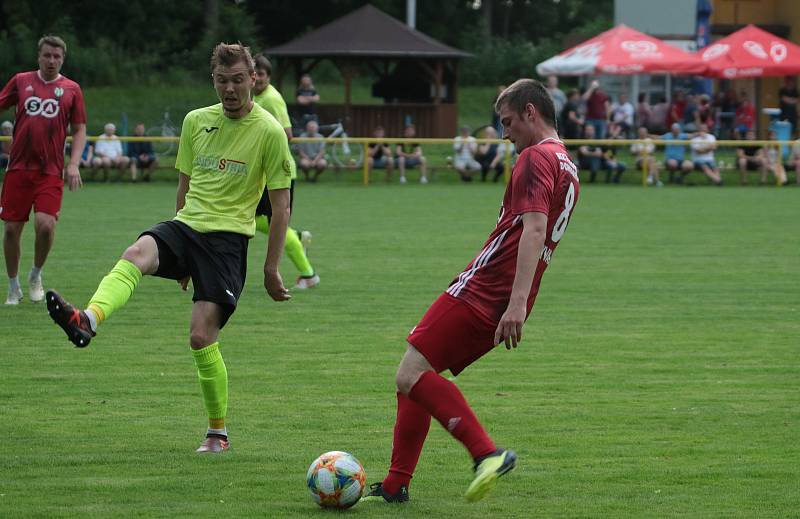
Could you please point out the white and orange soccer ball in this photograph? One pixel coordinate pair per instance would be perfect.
(336, 480)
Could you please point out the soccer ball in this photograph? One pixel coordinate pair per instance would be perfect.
(336, 480)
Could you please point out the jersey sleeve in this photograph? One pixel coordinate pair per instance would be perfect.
(78, 115)
(277, 160)
(9, 95)
(532, 187)
(185, 158)
(281, 112)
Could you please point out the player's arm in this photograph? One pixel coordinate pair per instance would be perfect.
(183, 188)
(78, 143)
(279, 198)
(534, 228)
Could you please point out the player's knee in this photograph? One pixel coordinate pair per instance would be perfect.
(137, 255)
(199, 339)
(45, 224)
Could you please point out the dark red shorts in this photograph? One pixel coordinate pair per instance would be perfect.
(26, 190)
(451, 335)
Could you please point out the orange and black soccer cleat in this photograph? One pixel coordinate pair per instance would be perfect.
(73, 321)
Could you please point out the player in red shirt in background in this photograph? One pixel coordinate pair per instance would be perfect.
(46, 104)
(489, 301)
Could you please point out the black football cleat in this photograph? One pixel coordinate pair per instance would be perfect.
(73, 321)
(377, 493)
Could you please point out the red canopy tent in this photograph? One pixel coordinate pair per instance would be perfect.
(622, 50)
(751, 52)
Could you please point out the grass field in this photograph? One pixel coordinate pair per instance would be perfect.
(657, 378)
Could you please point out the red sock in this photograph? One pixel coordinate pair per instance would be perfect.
(442, 399)
(410, 431)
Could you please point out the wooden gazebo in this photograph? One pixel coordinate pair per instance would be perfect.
(417, 75)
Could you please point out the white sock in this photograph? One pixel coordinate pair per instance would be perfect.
(222, 432)
(92, 318)
(36, 272)
(13, 283)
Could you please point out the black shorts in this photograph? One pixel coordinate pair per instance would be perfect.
(265, 207)
(216, 261)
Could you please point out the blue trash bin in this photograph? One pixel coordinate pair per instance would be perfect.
(783, 131)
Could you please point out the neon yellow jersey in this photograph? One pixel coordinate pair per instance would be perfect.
(272, 101)
(230, 162)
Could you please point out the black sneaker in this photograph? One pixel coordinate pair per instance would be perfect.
(73, 321)
(377, 493)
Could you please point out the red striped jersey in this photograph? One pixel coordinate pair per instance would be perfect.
(44, 111)
(544, 180)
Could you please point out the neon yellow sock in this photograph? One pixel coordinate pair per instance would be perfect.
(213, 383)
(115, 289)
(262, 224)
(294, 249)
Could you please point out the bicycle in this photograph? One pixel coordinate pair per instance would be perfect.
(163, 129)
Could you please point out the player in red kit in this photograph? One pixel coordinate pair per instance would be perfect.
(489, 301)
(47, 103)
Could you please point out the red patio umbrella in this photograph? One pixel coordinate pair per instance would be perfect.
(751, 52)
(622, 50)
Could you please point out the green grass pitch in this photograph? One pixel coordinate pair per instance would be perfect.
(658, 375)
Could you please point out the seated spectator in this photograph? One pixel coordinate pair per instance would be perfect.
(307, 99)
(773, 162)
(750, 157)
(379, 154)
(595, 158)
(312, 154)
(465, 148)
(675, 155)
(409, 155)
(142, 155)
(621, 118)
(644, 153)
(6, 130)
(87, 160)
(794, 160)
(108, 152)
(571, 119)
(612, 165)
(703, 146)
(745, 114)
(491, 156)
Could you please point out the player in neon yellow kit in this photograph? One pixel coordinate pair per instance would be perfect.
(228, 154)
(268, 97)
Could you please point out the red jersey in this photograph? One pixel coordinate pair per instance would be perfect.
(44, 111)
(544, 180)
(596, 105)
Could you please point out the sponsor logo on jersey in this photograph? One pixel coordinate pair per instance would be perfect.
(224, 165)
(58, 92)
(211, 129)
(29, 88)
(45, 107)
(287, 167)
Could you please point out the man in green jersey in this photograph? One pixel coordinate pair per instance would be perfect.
(268, 97)
(228, 154)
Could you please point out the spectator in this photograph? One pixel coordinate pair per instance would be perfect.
(658, 117)
(556, 94)
(675, 155)
(379, 154)
(409, 155)
(571, 119)
(490, 156)
(594, 158)
(142, 155)
(87, 157)
(788, 101)
(704, 113)
(703, 146)
(621, 118)
(612, 165)
(750, 157)
(644, 153)
(773, 162)
(597, 108)
(643, 111)
(108, 152)
(725, 113)
(795, 160)
(745, 114)
(676, 109)
(307, 99)
(465, 148)
(689, 114)
(312, 154)
(6, 130)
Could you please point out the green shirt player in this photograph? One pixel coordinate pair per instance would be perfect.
(228, 154)
(268, 97)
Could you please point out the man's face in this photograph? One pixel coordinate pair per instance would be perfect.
(552, 82)
(50, 61)
(233, 84)
(409, 131)
(139, 130)
(305, 81)
(703, 129)
(676, 130)
(518, 128)
(109, 130)
(588, 132)
(311, 127)
(642, 133)
(750, 135)
(622, 98)
(262, 80)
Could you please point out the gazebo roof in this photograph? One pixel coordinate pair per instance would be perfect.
(367, 31)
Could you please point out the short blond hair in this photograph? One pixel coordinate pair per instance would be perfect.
(228, 54)
(53, 41)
